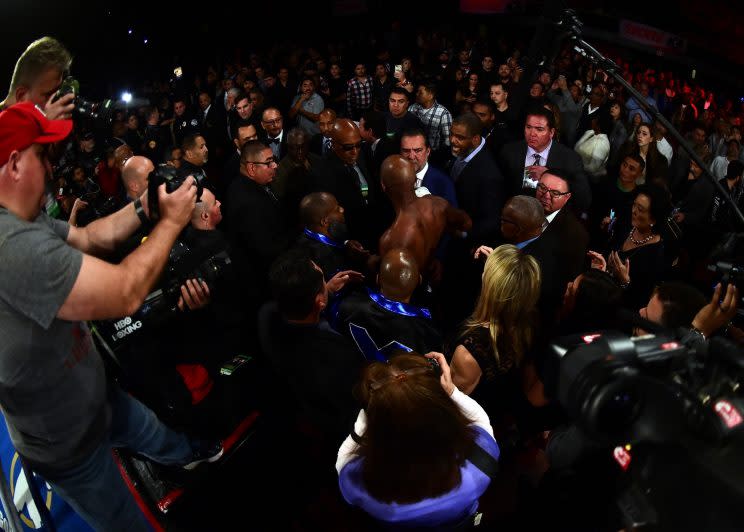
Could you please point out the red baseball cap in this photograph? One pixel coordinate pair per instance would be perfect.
(24, 124)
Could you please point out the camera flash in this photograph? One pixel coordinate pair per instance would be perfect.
(126, 97)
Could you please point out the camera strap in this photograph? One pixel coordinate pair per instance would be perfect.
(484, 461)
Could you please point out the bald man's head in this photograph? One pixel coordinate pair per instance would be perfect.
(399, 275)
(326, 118)
(347, 141)
(314, 207)
(522, 218)
(397, 173)
(135, 173)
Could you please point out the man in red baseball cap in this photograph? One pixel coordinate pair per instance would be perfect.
(25, 136)
(62, 415)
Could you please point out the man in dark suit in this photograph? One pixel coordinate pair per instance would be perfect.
(318, 365)
(325, 236)
(273, 134)
(524, 161)
(479, 184)
(522, 224)
(481, 192)
(256, 225)
(344, 174)
(320, 144)
(566, 234)
(377, 146)
(211, 125)
(414, 146)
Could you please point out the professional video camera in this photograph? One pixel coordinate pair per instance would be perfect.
(100, 113)
(162, 304)
(671, 414)
(168, 175)
(727, 262)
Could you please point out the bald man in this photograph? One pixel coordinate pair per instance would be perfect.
(522, 224)
(134, 174)
(344, 174)
(320, 144)
(382, 322)
(324, 233)
(419, 222)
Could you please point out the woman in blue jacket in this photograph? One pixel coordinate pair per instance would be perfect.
(412, 457)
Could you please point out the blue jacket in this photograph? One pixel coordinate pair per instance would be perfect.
(439, 184)
(449, 508)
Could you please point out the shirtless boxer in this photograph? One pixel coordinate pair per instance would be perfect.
(419, 222)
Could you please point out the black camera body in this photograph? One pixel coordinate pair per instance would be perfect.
(161, 305)
(169, 175)
(100, 113)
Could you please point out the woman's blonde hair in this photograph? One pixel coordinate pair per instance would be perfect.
(509, 294)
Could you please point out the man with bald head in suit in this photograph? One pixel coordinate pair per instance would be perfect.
(419, 222)
(344, 174)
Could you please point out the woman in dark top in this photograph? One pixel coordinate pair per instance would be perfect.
(637, 259)
(488, 355)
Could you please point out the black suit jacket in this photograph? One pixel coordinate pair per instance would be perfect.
(316, 144)
(213, 127)
(319, 367)
(481, 192)
(551, 289)
(511, 160)
(264, 137)
(361, 213)
(257, 233)
(570, 241)
(384, 148)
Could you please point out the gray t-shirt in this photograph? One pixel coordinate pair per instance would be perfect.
(52, 381)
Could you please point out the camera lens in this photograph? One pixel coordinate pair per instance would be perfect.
(619, 411)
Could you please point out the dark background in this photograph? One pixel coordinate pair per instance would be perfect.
(108, 59)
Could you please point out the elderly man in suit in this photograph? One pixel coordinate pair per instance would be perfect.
(524, 161)
(564, 232)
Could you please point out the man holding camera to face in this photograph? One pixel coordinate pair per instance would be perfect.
(62, 414)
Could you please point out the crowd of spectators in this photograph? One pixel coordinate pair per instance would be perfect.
(566, 199)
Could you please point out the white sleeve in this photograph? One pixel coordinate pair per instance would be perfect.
(472, 410)
(349, 446)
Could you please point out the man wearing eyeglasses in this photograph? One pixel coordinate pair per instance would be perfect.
(568, 236)
(255, 221)
(524, 161)
(273, 135)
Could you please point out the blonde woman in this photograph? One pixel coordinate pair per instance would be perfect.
(488, 359)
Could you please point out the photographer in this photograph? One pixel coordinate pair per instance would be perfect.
(62, 414)
(37, 76)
